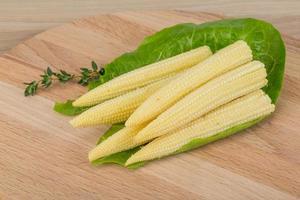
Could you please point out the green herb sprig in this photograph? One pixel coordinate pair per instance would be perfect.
(49, 77)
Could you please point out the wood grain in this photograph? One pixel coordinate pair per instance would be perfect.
(20, 20)
(43, 157)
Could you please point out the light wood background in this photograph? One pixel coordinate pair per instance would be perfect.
(21, 19)
(42, 157)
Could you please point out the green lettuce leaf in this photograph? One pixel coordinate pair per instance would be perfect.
(264, 40)
(112, 130)
(66, 108)
(118, 158)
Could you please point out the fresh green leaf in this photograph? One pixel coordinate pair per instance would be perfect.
(31, 88)
(112, 130)
(94, 83)
(117, 158)
(66, 108)
(63, 76)
(264, 40)
(83, 81)
(49, 71)
(94, 66)
(46, 80)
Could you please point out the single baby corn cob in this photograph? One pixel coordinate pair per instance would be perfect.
(224, 60)
(244, 109)
(117, 109)
(143, 76)
(120, 141)
(221, 90)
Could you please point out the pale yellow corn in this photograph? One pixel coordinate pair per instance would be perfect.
(117, 109)
(143, 76)
(224, 60)
(244, 109)
(216, 92)
(120, 141)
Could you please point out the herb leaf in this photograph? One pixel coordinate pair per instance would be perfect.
(63, 76)
(66, 108)
(94, 66)
(31, 88)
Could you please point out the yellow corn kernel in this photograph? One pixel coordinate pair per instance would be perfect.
(244, 109)
(120, 141)
(224, 60)
(216, 92)
(117, 109)
(143, 76)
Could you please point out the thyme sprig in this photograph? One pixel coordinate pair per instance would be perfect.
(49, 77)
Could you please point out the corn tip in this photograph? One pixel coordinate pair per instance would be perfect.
(73, 122)
(258, 93)
(131, 160)
(128, 123)
(127, 162)
(268, 99)
(75, 103)
(91, 156)
(242, 42)
(207, 48)
(257, 62)
(78, 102)
(272, 107)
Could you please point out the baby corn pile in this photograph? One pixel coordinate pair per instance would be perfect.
(168, 104)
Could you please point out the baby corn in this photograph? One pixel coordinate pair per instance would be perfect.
(222, 61)
(244, 109)
(143, 76)
(120, 141)
(117, 109)
(216, 92)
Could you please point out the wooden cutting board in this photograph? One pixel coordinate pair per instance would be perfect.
(43, 157)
